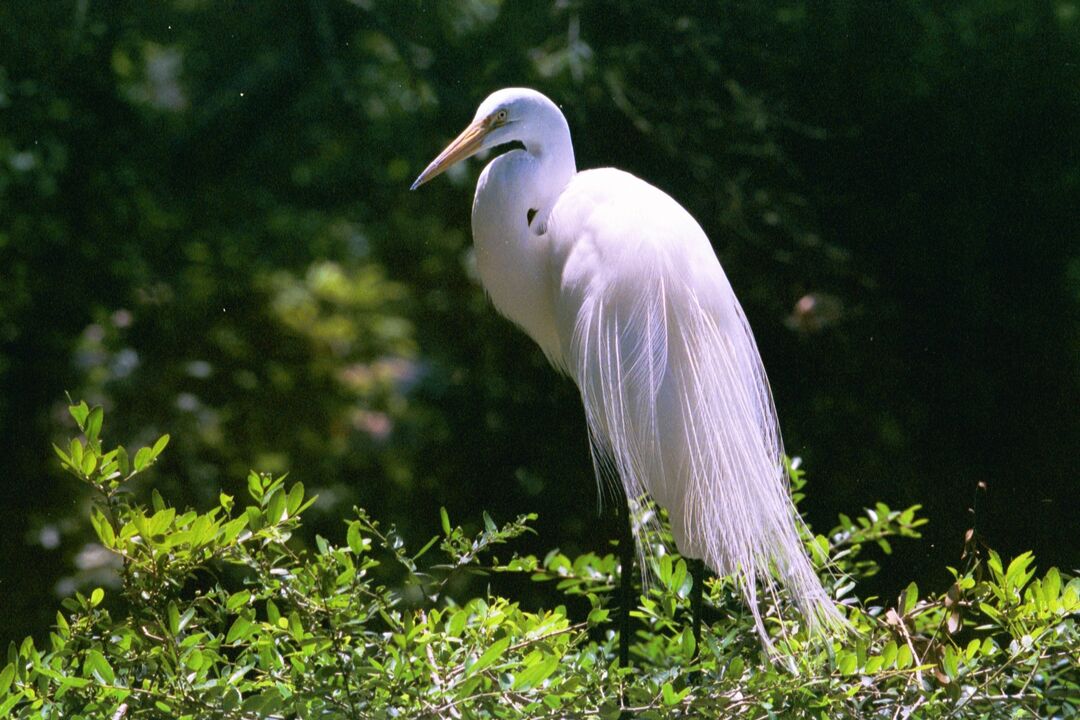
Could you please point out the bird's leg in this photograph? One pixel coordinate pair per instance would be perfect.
(626, 580)
(697, 571)
(626, 591)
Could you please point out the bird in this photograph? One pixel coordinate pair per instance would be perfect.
(622, 291)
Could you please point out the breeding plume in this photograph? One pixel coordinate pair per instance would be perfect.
(622, 291)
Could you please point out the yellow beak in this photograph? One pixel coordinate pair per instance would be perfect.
(465, 145)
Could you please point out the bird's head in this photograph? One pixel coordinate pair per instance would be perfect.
(504, 116)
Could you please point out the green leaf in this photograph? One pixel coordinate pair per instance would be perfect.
(537, 673)
(161, 521)
(68, 682)
(846, 663)
(237, 600)
(903, 657)
(993, 561)
(160, 445)
(255, 488)
(445, 521)
(195, 659)
(6, 676)
(80, 413)
(888, 654)
(232, 530)
(64, 457)
(275, 509)
(255, 520)
(493, 653)
(102, 527)
(93, 424)
(142, 459)
(992, 612)
(296, 627)
(123, 463)
(96, 665)
(1052, 585)
(911, 596)
(354, 538)
(1017, 575)
(951, 663)
(665, 571)
(174, 618)
(688, 643)
(670, 696)
(186, 618)
(241, 628)
(141, 524)
(678, 576)
(96, 597)
(430, 543)
(76, 453)
(89, 462)
(456, 622)
(295, 498)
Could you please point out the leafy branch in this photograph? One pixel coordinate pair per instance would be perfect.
(224, 613)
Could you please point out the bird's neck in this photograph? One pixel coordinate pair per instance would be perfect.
(551, 165)
(514, 197)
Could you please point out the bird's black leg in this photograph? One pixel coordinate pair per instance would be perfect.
(626, 584)
(697, 570)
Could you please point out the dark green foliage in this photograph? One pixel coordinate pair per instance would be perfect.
(222, 614)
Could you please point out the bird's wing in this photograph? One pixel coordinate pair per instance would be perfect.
(674, 390)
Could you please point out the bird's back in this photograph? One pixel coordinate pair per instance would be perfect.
(637, 278)
(674, 390)
(631, 227)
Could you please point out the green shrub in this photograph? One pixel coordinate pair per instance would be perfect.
(221, 615)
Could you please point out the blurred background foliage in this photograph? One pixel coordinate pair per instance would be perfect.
(205, 226)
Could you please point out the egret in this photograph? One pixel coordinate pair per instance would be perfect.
(621, 289)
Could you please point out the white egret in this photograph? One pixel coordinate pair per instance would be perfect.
(622, 291)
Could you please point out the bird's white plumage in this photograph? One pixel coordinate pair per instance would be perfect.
(621, 289)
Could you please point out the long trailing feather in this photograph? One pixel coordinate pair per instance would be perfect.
(678, 403)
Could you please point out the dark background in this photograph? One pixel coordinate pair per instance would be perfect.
(205, 226)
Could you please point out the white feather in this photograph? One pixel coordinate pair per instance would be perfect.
(674, 390)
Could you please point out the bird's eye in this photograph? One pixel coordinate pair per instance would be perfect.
(500, 117)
